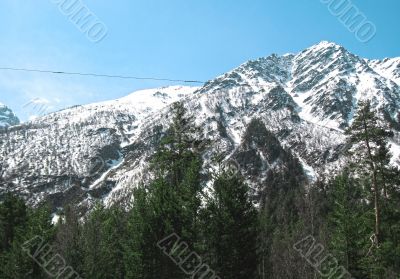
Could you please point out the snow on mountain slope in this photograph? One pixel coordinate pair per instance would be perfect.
(54, 156)
(123, 114)
(139, 103)
(7, 117)
(388, 67)
(328, 82)
(305, 100)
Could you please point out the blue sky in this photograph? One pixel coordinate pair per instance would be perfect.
(177, 39)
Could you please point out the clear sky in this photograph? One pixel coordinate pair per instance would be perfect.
(177, 39)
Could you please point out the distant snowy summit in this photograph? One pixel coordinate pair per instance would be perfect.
(7, 117)
(325, 81)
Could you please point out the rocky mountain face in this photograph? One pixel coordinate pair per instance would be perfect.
(264, 116)
(7, 117)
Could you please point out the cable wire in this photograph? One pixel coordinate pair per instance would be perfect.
(98, 75)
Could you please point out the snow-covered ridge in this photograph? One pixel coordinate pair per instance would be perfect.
(138, 103)
(124, 114)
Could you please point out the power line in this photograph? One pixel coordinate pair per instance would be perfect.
(98, 75)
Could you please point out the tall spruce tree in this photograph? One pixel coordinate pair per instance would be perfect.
(13, 214)
(170, 203)
(348, 223)
(371, 163)
(16, 261)
(281, 218)
(139, 250)
(230, 228)
(370, 139)
(69, 239)
(104, 237)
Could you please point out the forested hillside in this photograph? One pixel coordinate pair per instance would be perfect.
(175, 226)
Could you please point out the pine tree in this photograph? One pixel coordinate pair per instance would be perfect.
(230, 228)
(280, 213)
(170, 203)
(69, 238)
(348, 224)
(13, 214)
(390, 246)
(18, 262)
(104, 235)
(371, 140)
(371, 163)
(138, 250)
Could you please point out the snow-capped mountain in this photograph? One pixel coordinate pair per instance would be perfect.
(7, 117)
(302, 102)
(328, 82)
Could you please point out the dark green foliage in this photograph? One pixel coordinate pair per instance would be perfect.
(349, 224)
(281, 219)
(19, 225)
(139, 250)
(69, 239)
(103, 242)
(13, 215)
(230, 226)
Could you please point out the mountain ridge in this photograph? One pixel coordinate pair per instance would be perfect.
(305, 100)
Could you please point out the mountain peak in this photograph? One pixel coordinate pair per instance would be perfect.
(328, 48)
(326, 44)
